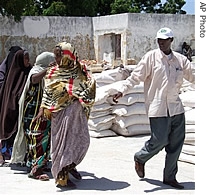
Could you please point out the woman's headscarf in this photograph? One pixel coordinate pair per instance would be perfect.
(68, 81)
(44, 59)
(5, 65)
(41, 63)
(10, 93)
(12, 52)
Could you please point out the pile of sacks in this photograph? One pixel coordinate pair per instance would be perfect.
(127, 117)
(188, 98)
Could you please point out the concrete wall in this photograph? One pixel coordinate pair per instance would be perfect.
(38, 34)
(93, 37)
(105, 26)
(143, 28)
(138, 32)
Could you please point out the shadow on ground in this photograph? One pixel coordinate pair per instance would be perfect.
(160, 186)
(91, 182)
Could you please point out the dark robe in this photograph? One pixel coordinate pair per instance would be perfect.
(10, 93)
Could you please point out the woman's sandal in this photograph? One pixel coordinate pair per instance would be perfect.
(69, 184)
(43, 177)
(65, 182)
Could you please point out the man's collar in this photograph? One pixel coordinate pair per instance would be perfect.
(162, 55)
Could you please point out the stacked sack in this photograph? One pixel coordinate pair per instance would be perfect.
(130, 113)
(188, 99)
(101, 118)
(127, 117)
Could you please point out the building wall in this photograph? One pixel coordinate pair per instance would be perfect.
(93, 37)
(143, 28)
(38, 34)
(138, 32)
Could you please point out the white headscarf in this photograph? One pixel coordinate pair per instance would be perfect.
(44, 59)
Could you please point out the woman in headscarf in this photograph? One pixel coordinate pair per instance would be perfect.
(4, 67)
(33, 138)
(69, 95)
(10, 93)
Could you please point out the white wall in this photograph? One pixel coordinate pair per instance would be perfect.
(138, 31)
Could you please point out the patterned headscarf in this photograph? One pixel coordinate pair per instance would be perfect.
(69, 53)
(68, 81)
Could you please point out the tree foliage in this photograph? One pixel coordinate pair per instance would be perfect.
(55, 9)
(12, 8)
(124, 6)
(173, 7)
(18, 8)
(104, 7)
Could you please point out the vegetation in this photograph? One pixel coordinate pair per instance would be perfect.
(18, 8)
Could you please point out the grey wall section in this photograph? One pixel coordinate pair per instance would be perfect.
(143, 28)
(93, 37)
(138, 32)
(106, 26)
(38, 34)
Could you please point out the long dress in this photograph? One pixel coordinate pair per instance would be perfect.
(70, 139)
(10, 92)
(37, 133)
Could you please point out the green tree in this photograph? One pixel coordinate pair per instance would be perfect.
(81, 7)
(173, 7)
(104, 7)
(145, 6)
(13, 8)
(18, 8)
(36, 7)
(69, 7)
(55, 9)
(124, 6)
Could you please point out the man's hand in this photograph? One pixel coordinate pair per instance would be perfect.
(117, 96)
